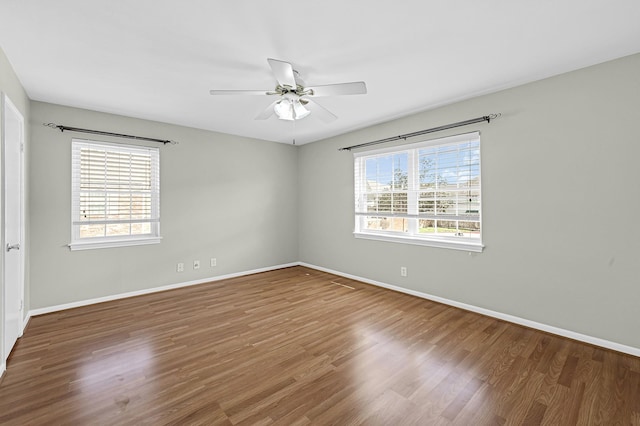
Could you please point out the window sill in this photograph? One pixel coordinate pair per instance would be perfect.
(105, 243)
(454, 245)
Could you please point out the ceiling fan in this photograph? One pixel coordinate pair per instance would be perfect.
(294, 98)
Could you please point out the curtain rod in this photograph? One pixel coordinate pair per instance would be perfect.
(100, 132)
(486, 118)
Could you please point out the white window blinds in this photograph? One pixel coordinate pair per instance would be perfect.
(115, 194)
(426, 193)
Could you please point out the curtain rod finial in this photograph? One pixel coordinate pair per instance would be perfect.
(54, 126)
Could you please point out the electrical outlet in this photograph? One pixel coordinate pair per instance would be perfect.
(196, 264)
(403, 271)
(214, 262)
(180, 267)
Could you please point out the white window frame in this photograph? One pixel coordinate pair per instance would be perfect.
(412, 236)
(78, 243)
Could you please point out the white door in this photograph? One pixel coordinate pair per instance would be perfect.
(13, 247)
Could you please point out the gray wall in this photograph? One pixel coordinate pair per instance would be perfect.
(222, 196)
(560, 206)
(10, 85)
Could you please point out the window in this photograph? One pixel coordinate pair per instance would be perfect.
(115, 195)
(425, 193)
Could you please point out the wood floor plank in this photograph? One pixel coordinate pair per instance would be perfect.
(571, 410)
(568, 371)
(456, 406)
(557, 404)
(535, 414)
(298, 346)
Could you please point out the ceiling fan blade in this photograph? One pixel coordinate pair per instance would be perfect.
(239, 92)
(268, 112)
(319, 111)
(355, 88)
(283, 71)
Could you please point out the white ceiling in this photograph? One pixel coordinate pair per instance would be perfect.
(158, 59)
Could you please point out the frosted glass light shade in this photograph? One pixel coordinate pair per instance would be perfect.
(288, 109)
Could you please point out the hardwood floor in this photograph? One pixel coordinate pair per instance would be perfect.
(298, 346)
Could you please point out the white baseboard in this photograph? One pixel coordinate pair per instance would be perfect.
(499, 315)
(25, 322)
(56, 308)
(3, 368)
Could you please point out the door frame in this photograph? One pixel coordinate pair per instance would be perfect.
(6, 103)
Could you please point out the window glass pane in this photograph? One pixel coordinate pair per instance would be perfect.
(426, 202)
(445, 203)
(470, 203)
(387, 172)
(384, 202)
(400, 173)
(92, 206)
(117, 206)
(379, 172)
(377, 223)
(115, 229)
(399, 224)
(140, 228)
(141, 206)
(371, 201)
(469, 229)
(395, 224)
(399, 200)
(446, 227)
(92, 231)
(427, 226)
(426, 206)
(427, 169)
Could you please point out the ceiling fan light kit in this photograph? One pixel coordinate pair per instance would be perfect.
(290, 109)
(294, 95)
